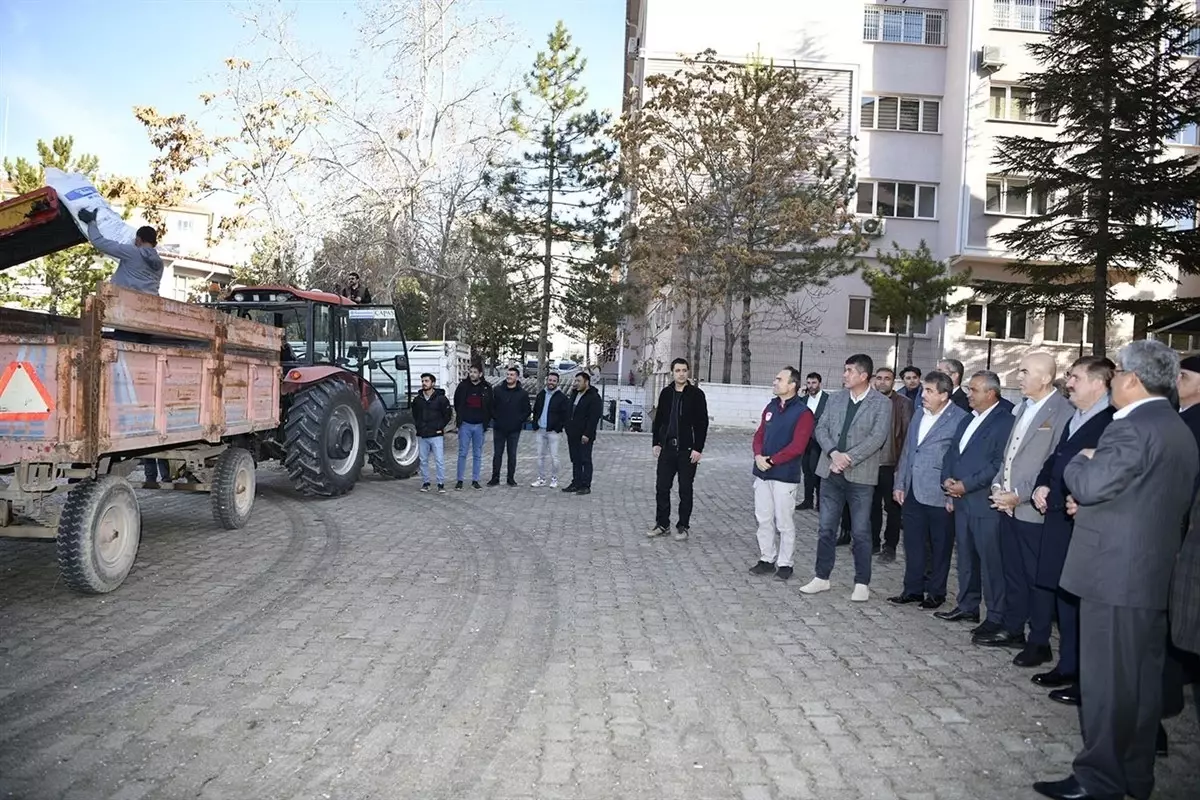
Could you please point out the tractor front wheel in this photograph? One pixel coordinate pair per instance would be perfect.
(395, 453)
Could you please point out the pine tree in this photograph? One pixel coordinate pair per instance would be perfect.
(911, 286)
(1106, 189)
(553, 204)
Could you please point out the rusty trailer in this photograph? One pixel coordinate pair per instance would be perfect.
(135, 377)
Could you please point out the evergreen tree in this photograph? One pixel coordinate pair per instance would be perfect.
(1106, 191)
(912, 286)
(553, 210)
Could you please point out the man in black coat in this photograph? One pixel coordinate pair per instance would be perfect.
(954, 368)
(816, 400)
(1088, 382)
(431, 414)
(586, 409)
(510, 412)
(680, 428)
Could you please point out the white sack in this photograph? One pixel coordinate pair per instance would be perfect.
(76, 192)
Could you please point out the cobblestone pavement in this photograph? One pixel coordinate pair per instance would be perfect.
(505, 643)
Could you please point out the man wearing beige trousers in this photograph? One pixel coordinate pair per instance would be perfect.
(779, 445)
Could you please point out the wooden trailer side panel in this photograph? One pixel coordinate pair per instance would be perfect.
(39, 398)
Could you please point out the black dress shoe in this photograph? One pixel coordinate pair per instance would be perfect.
(957, 615)
(887, 555)
(582, 490)
(1034, 655)
(571, 489)
(1000, 638)
(1161, 748)
(905, 599)
(986, 627)
(1053, 679)
(933, 601)
(1066, 789)
(804, 507)
(1068, 695)
(763, 568)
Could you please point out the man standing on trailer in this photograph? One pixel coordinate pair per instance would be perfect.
(680, 428)
(139, 266)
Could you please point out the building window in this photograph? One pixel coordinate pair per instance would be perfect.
(1012, 196)
(896, 199)
(183, 225)
(996, 321)
(901, 114)
(865, 319)
(1017, 104)
(1192, 46)
(1067, 327)
(903, 25)
(1190, 135)
(1024, 15)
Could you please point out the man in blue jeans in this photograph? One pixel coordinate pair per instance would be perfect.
(431, 414)
(473, 407)
(852, 433)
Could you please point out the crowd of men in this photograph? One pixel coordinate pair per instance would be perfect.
(1074, 506)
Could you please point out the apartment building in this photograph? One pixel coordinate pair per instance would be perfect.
(926, 86)
(189, 263)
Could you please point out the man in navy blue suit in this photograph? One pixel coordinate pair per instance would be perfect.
(1088, 382)
(967, 472)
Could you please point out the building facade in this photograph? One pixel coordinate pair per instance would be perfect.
(929, 86)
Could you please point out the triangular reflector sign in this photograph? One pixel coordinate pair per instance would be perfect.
(23, 398)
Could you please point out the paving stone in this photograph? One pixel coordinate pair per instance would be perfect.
(505, 644)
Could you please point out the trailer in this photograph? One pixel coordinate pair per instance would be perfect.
(136, 376)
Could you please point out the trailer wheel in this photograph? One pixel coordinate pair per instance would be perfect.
(233, 485)
(324, 439)
(396, 453)
(98, 534)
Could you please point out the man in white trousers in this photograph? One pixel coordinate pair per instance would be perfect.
(779, 445)
(550, 412)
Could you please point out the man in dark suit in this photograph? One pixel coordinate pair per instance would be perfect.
(967, 472)
(884, 540)
(1185, 598)
(919, 491)
(1039, 424)
(1129, 497)
(586, 409)
(1088, 383)
(678, 434)
(816, 400)
(1189, 394)
(954, 368)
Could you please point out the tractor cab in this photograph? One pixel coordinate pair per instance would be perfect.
(322, 329)
(345, 392)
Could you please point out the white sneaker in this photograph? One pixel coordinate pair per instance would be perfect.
(861, 593)
(554, 483)
(814, 586)
(539, 483)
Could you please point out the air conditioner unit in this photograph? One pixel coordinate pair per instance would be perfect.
(874, 227)
(991, 58)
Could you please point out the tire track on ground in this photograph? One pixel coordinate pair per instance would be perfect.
(31, 716)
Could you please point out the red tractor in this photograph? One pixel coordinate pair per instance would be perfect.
(345, 392)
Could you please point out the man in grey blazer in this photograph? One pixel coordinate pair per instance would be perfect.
(1040, 421)
(921, 496)
(852, 432)
(1129, 497)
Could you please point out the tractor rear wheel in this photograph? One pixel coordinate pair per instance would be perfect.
(395, 453)
(324, 439)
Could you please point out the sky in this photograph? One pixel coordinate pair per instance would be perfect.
(77, 67)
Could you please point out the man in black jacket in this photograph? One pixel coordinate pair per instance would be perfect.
(550, 412)
(431, 414)
(510, 412)
(473, 407)
(586, 408)
(680, 428)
